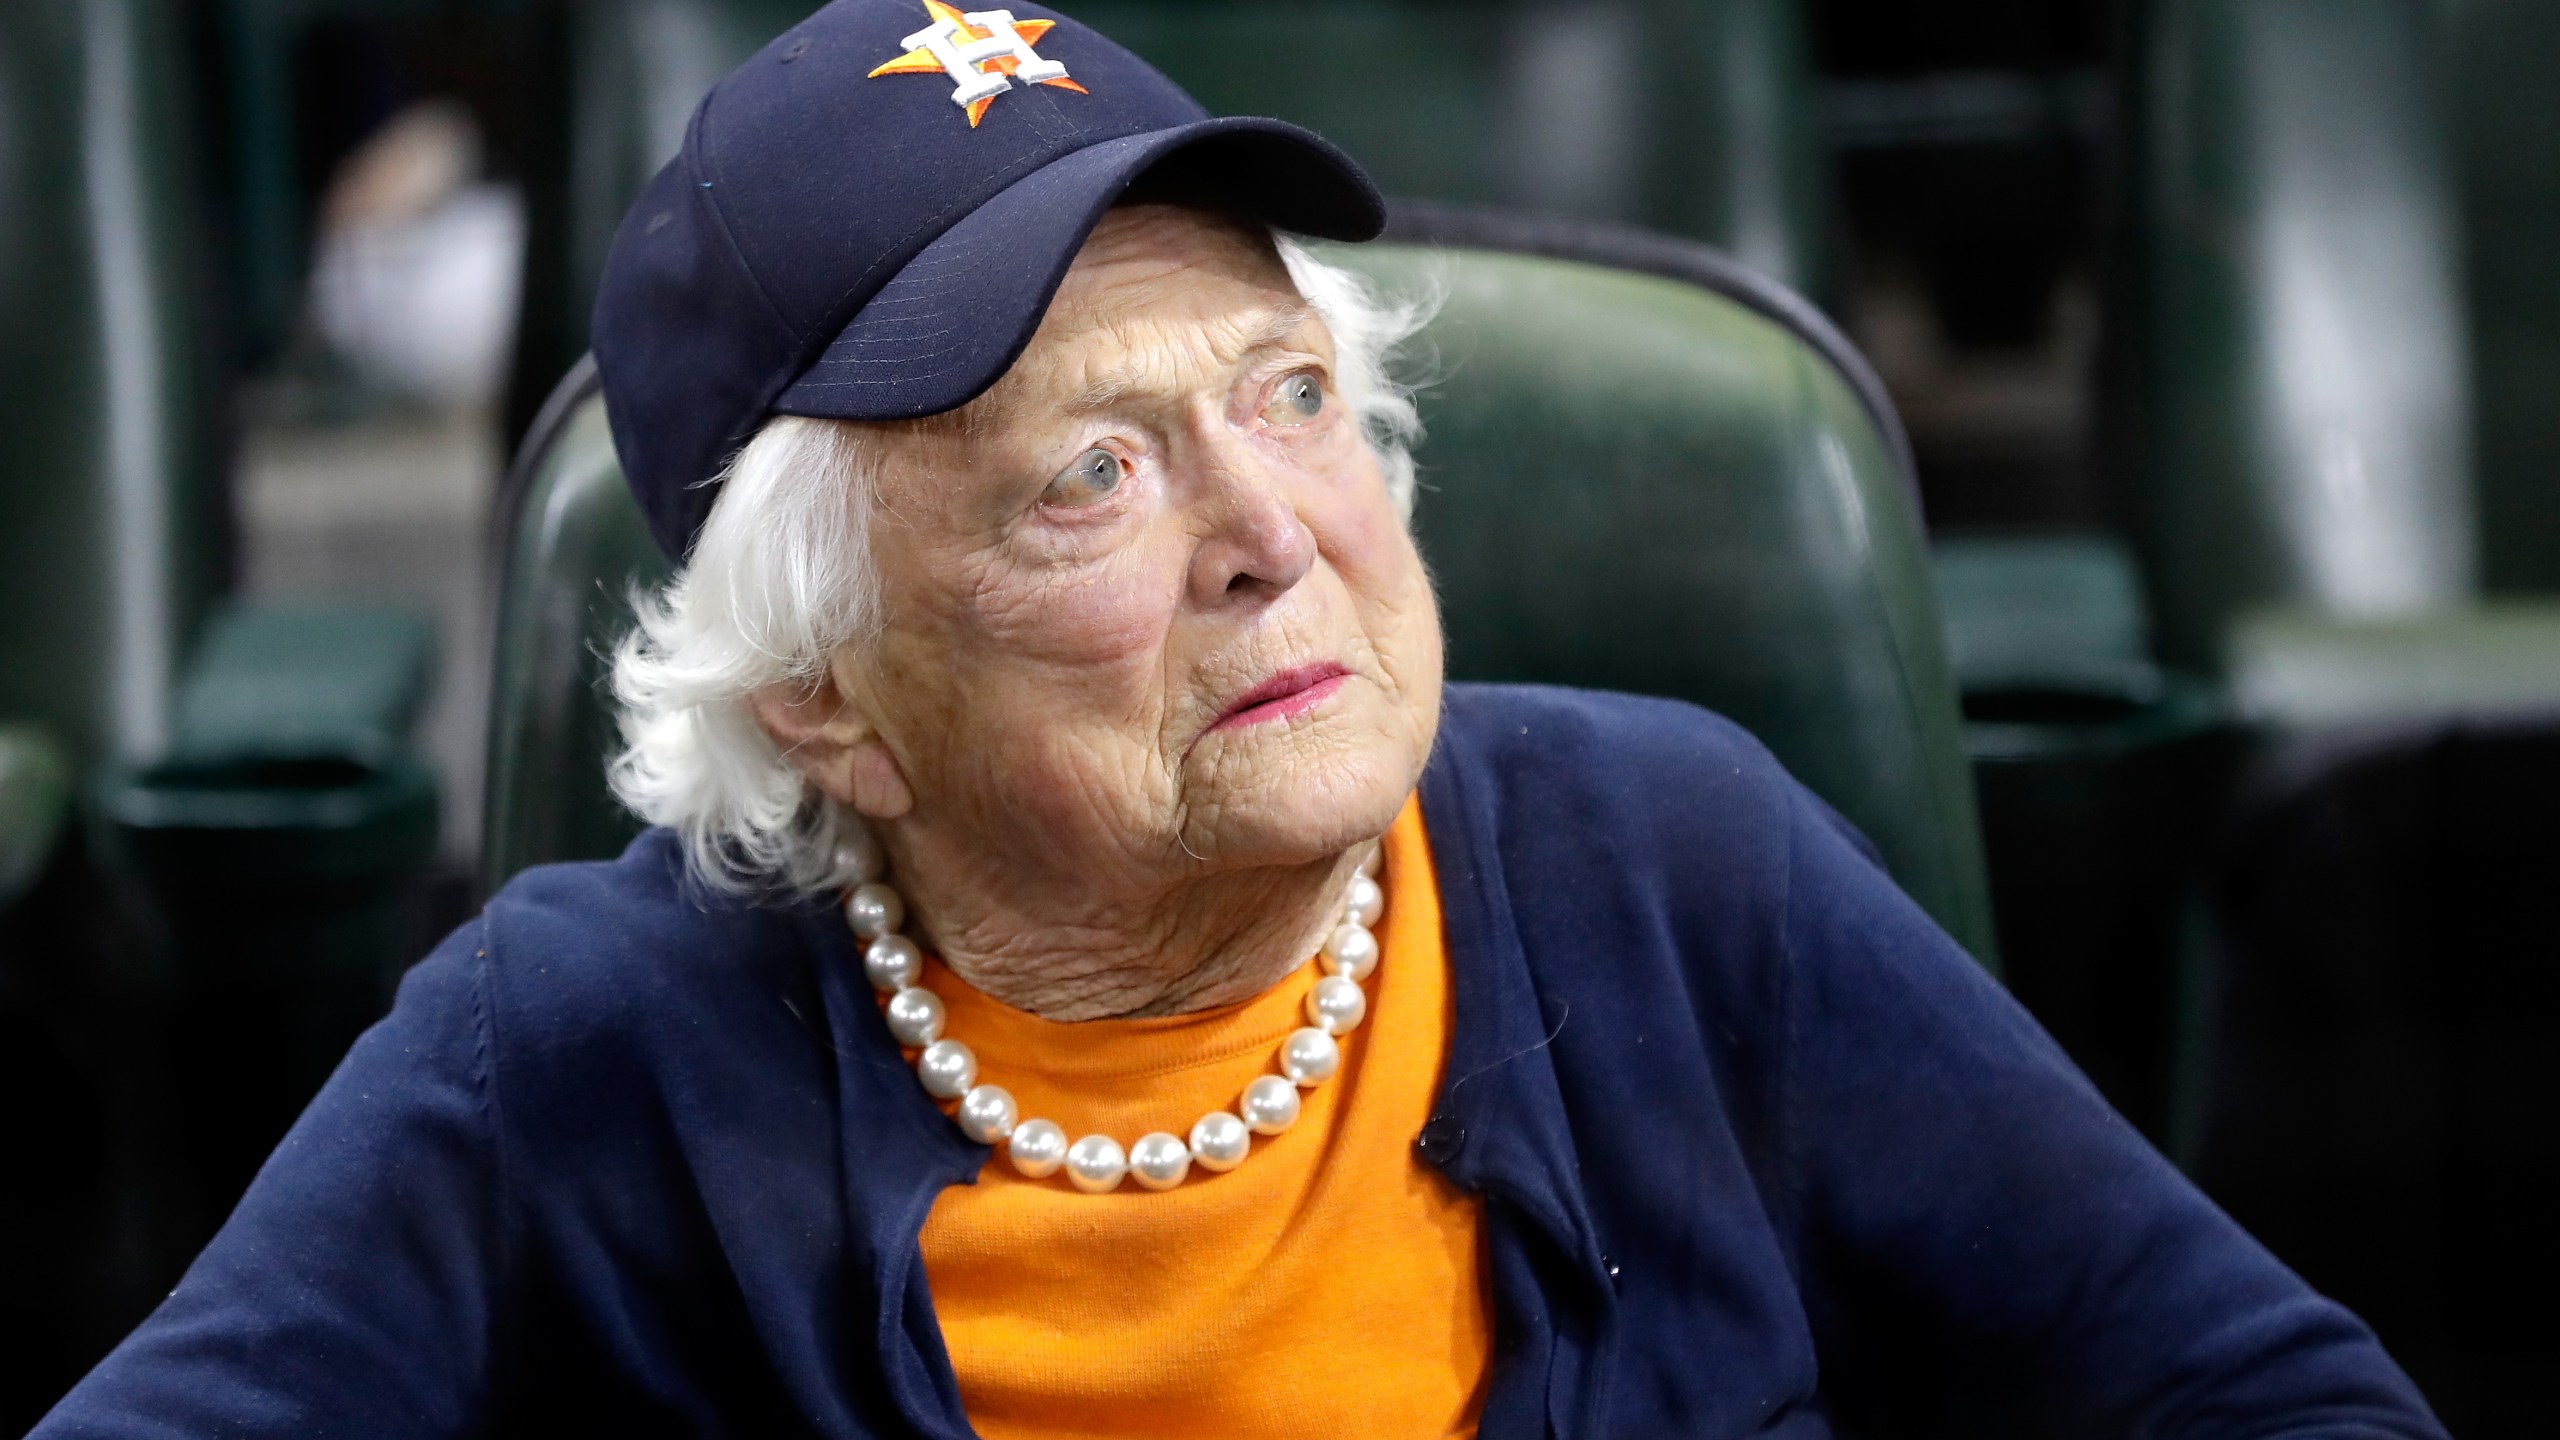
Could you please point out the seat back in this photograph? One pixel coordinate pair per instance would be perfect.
(1692, 117)
(111, 551)
(577, 549)
(2300, 355)
(1645, 470)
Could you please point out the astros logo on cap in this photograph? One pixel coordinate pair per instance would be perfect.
(983, 51)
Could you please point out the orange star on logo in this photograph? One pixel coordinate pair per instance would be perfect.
(958, 38)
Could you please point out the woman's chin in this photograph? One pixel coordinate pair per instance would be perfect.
(1298, 797)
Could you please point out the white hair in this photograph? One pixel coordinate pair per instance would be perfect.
(781, 579)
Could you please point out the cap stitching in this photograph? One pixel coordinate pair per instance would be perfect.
(830, 361)
(868, 382)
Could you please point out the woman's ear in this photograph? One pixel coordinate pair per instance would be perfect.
(819, 729)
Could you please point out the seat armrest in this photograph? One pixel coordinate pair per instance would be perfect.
(2023, 606)
(2291, 670)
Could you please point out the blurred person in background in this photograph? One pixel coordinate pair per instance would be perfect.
(1089, 975)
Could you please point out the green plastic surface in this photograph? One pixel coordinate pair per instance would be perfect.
(291, 830)
(2023, 606)
(2101, 778)
(1629, 482)
(314, 678)
(289, 776)
(578, 553)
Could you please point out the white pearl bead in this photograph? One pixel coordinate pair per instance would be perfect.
(1038, 1147)
(947, 1069)
(1220, 1140)
(874, 910)
(1367, 901)
(986, 1114)
(858, 858)
(1159, 1160)
(915, 1017)
(1351, 950)
(1376, 857)
(1095, 1164)
(1336, 1005)
(1270, 1105)
(893, 962)
(1309, 1057)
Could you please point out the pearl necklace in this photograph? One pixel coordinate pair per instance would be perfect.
(1095, 1164)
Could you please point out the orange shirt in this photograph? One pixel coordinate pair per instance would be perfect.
(1332, 1284)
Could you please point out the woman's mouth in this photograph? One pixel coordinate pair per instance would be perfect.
(1292, 692)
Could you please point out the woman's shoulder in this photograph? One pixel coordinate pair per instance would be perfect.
(1609, 810)
(591, 951)
(1638, 759)
(1605, 813)
(1603, 726)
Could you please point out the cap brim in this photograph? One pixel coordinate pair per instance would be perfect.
(956, 317)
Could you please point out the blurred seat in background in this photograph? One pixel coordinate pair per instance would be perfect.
(1647, 468)
(2102, 776)
(254, 808)
(1690, 117)
(2306, 401)
(2300, 371)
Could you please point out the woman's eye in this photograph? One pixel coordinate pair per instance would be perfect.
(1298, 400)
(1096, 473)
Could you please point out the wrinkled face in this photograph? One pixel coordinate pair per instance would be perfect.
(1149, 598)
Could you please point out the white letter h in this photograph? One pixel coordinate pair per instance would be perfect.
(960, 61)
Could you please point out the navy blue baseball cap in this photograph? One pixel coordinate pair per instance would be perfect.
(868, 219)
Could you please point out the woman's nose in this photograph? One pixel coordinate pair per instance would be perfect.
(1256, 546)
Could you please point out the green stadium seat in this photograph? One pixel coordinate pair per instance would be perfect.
(2298, 368)
(1692, 117)
(1647, 469)
(2344, 337)
(2037, 606)
(2101, 775)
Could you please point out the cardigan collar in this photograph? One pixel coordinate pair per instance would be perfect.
(1498, 1127)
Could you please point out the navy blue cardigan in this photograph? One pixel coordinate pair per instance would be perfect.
(1762, 1153)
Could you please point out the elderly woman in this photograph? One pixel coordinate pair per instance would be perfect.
(1089, 979)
